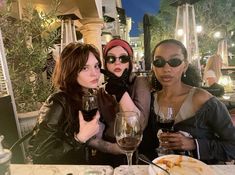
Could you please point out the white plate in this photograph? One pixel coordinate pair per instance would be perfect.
(180, 165)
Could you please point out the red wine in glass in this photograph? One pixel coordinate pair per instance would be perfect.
(166, 126)
(165, 121)
(128, 133)
(129, 143)
(88, 115)
(89, 106)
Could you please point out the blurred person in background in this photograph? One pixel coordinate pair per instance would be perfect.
(212, 71)
(212, 75)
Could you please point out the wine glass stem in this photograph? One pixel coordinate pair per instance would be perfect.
(129, 158)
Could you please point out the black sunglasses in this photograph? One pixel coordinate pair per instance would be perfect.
(122, 59)
(174, 62)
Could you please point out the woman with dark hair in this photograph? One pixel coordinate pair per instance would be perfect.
(131, 92)
(124, 91)
(191, 77)
(61, 135)
(203, 127)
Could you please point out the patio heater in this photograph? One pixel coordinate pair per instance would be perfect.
(223, 50)
(185, 30)
(68, 30)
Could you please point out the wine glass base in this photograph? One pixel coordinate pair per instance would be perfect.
(163, 151)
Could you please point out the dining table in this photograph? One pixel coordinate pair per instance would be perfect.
(37, 169)
(30, 169)
(143, 169)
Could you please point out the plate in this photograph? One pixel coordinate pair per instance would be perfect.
(180, 165)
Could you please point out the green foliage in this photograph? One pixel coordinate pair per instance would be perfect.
(163, 24)
(216, 14)
(160, 29)
(27, 42)
(212, 15)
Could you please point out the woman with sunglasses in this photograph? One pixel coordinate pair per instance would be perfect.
(203, 126)
(61, 135)
(124, 91)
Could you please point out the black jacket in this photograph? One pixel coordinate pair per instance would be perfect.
(212, 128)
(52, 142)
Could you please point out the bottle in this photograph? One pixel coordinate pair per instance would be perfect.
(5, 159)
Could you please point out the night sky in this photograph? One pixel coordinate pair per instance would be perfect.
(136, 10)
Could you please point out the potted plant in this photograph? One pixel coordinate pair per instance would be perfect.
(27, 43)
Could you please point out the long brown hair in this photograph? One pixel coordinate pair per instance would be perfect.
(72, 60)
(214, 63)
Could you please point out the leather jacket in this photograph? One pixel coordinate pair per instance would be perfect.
(213, 130)
(52, 142)
(53, 139)
(211, 127)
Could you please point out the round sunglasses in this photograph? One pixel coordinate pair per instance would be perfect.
(174, 62)
(122, 59)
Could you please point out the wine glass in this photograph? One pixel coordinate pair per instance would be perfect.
(165, 121)
(89, 106)
(128, 134)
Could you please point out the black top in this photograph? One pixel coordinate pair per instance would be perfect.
(52, 142)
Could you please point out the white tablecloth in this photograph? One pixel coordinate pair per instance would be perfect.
(143, 169)
(27, 169)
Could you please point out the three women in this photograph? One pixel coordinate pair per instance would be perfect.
(62, 136)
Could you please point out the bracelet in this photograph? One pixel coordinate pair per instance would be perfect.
(77, 139)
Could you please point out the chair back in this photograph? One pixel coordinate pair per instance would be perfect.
(8, 128)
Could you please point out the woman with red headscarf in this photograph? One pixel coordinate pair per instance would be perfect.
(124, 91)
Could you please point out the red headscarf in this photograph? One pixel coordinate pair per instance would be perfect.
(118, 42)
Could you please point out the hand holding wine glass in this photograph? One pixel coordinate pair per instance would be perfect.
(89, 129)
(128, 133)
(165, 121)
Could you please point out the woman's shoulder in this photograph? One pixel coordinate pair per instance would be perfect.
(200, 97)
(140, 81)
(59, 96)
(54, 107)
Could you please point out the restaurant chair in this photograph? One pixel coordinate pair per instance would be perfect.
(9, 129)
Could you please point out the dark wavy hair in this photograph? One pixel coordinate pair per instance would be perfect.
(72, 60)
(192, 77)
